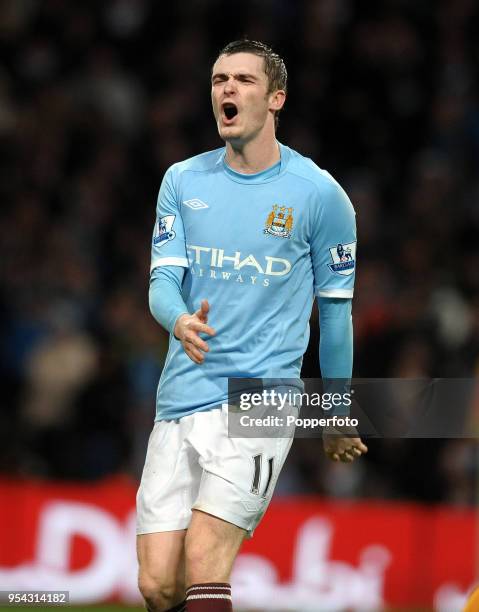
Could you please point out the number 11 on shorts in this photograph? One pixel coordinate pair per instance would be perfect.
(255, 486)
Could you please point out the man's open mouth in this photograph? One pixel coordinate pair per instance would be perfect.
(230, 111)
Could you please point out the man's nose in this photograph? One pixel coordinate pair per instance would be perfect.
(230, 85)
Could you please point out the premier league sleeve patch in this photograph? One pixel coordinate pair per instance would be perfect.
(344, 258)
(163, 231)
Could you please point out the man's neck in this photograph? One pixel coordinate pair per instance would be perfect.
(253, 157)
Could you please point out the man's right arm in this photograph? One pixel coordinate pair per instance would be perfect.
(169, 261)
(169, 309)
(166, 301)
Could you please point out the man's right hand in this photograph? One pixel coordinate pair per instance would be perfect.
(188, 329)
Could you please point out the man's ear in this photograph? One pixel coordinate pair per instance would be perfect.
(277, 100)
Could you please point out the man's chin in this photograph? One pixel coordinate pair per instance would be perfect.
(230, 133)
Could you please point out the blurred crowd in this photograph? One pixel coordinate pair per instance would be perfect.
(97, 99)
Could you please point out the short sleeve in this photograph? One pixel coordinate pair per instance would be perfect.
(333, 243)
(168, 246)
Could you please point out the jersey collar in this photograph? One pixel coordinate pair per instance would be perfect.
(265, 176)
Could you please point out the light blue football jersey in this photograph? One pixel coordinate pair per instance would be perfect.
(258, 247)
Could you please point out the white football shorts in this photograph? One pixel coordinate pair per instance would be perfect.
(191, 463)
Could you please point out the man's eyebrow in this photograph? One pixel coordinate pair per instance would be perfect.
(243, 75)
(247, 75)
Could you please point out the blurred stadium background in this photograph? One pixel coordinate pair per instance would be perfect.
(97, 99)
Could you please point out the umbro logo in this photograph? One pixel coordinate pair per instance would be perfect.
(195, 204)
(252, 506)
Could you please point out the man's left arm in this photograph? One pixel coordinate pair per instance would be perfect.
(333, 253)
(336, 340)
(336, 360)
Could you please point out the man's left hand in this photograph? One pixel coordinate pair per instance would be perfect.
(339, 448)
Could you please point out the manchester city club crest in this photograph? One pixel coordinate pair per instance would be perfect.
(279, 221)
(344, 258)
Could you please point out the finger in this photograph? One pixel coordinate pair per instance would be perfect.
(339, 449)
(203, 311)
(196, 341)
(332, 456)
(355, 451)
(199, 315)
(201, 328)
(194, 354)
(332, 449)
(347, 457)
(200, 312)
(360, 446)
